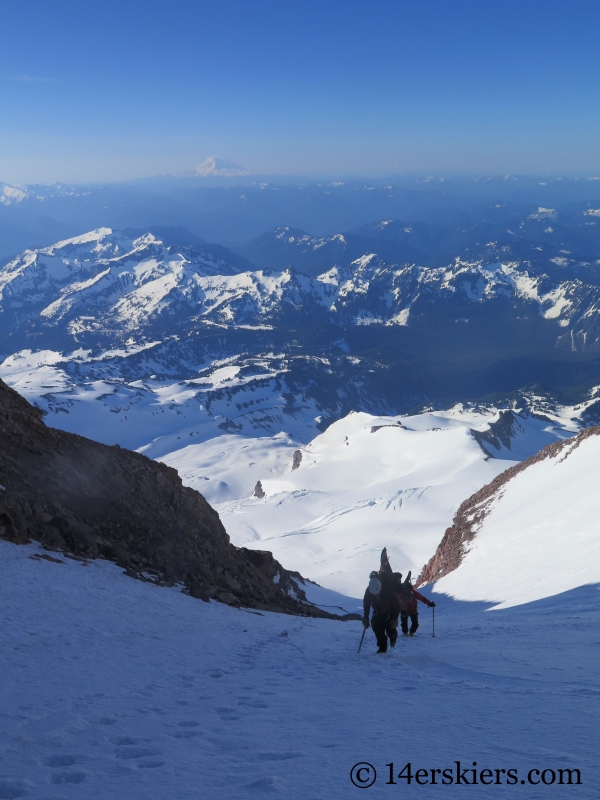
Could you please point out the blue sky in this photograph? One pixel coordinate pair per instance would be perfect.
(106, 90)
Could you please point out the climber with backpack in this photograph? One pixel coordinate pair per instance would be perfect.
(408, 603)
(382, 597)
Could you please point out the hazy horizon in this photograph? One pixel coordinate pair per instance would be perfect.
(119, 91)
(397, 178)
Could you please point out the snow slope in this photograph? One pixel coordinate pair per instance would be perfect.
(540, 533)
(235, 423)
(366, 483)
(113, 688)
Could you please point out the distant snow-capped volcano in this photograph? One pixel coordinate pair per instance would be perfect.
(219, 167)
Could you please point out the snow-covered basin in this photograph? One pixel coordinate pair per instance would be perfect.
(354, 492)
(113, 688)
(541, 536)
(154, 416)
(366, 483)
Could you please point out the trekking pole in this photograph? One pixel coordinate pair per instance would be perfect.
(433, 621)
(361, 639)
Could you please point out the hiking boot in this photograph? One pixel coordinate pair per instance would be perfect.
(381, 650)
(412, 633)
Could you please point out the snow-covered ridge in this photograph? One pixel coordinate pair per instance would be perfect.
(11, 194)
(531, 533)
(304, 240)
(123, 276)
(119, 284)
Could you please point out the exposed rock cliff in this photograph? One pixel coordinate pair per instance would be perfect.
(90, 500)
(498, 433)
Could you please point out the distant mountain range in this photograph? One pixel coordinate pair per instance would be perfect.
(140, 284)
(577, 233)
(120, 320)
(283, 247)
(445, 217)
(367, 334)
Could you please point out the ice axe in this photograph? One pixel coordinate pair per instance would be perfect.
(361, 639)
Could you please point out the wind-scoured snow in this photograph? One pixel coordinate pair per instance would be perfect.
(114, 688)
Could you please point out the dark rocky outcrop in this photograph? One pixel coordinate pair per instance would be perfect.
(259, 491)
(375, 428)
(297, 460)
(498, 433)
(90, 500)
(471, 512)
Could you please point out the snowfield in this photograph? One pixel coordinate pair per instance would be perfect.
(113, 688)
(81, 394)
(366, 483)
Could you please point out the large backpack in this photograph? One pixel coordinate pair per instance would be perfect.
(381, 586)
(404, 590)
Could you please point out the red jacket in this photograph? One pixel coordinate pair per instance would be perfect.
(411, 607)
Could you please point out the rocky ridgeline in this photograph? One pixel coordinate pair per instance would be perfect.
(90, 291)
(471, 512)
(94, 501)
